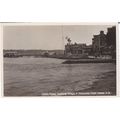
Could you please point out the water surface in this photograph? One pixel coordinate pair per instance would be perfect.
(28, 76)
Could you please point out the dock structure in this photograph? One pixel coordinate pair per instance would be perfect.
(89, 61)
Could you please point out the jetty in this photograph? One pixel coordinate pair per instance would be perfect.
(78, 61)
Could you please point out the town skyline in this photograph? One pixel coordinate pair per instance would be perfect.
(49, 37)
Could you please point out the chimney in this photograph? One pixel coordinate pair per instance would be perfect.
(101, 32)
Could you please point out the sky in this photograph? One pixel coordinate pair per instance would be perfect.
(48, 37)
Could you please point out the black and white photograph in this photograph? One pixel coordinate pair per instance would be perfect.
(59, 60)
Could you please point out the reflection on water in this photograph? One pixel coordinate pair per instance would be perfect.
(33, 76)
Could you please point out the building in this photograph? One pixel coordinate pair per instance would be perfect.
(99, 43)
(105, 44)
(77, 50)
(111, 40)
(111, 36)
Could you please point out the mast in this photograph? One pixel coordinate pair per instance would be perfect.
(63, 37)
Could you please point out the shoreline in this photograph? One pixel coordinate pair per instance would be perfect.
(106, 84)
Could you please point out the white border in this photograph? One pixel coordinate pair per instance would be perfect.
(59, 24)
(1, 60)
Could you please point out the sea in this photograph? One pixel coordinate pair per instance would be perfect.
(30, 76)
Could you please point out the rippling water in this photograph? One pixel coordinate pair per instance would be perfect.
(33, 76)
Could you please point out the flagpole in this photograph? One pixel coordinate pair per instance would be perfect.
(63, 37)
